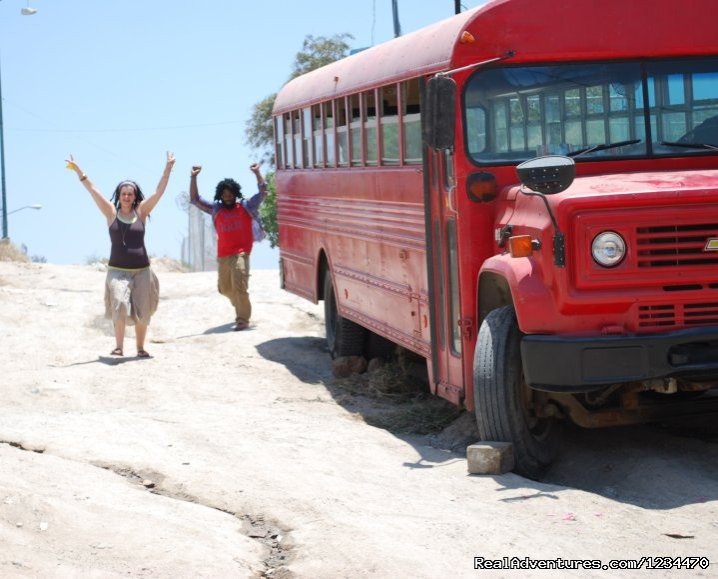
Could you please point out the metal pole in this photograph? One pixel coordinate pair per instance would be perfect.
(2, 168)
(25, 12)
(457, 6)
(395, 12)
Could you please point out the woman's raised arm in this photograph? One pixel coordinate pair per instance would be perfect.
(146, 206)
(105, 205)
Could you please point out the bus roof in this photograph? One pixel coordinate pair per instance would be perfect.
(534, 30)
(425, 51)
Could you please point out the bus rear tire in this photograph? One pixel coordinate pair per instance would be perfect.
(504, 402)
(344, 337)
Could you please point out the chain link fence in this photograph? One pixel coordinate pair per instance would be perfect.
(199, 248)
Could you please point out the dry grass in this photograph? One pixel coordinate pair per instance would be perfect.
(402, 404)
(428, 415)
(9, 252)
(388, 382)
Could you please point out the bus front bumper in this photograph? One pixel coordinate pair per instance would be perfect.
(582, 364)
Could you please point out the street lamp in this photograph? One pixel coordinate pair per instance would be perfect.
(27, 11)
(35, 206)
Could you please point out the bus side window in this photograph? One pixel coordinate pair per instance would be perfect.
(288, 141)
(342, 132)
(370, 130)
(297, 133)
(355, 128)
(389, 124)
(279, 142)
(307, 140)
(412, 122)
(329, 133)
(318, 135)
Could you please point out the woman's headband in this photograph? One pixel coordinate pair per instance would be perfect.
(123, 183)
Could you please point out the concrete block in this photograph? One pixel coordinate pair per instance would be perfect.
(490, 457)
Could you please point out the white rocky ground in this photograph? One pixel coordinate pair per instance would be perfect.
(235, 454)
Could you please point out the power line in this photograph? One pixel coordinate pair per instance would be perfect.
(130, 130)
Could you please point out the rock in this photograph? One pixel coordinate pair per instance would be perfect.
(347, 365)
(490, 457)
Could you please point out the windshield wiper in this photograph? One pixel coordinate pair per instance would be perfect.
(602, 147)
(690, 145)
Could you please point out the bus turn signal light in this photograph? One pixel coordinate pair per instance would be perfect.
(521, 246)
(481, 187)
(467, 37)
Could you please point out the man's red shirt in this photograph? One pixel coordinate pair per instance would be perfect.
(234, 230)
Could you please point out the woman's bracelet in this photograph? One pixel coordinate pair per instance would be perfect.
(83, 177)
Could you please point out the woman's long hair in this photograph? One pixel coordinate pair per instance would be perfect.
(138, 194)
(230, 184)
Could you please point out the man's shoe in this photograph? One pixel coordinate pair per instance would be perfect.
(239, 326)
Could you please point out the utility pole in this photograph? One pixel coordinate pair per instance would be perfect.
(2, 169)
(27, 11)
(395, 12)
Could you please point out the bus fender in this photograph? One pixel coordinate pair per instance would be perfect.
(504, 280)
(322, 268)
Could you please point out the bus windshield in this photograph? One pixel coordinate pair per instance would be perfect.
(651, 108)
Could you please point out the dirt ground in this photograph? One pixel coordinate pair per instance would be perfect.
(236, 454)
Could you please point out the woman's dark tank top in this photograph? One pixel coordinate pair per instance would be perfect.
(128, 245)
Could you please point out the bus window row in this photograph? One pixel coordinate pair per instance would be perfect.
(376, 127)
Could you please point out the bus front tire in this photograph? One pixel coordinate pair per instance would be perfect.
(344, 337)
(504, 403)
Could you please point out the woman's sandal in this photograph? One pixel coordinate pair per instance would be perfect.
(116, 352)
(143, 353)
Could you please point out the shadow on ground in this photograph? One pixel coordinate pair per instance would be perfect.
(654, 466)
(223, 329)
(411, 414)
(107, 360)
(306, 358)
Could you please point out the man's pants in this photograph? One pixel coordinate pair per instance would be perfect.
(233, 282)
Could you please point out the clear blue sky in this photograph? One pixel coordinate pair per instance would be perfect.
(119, 83)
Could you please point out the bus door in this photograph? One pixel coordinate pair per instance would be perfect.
(444, 276)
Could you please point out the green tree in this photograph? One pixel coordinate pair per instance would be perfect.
(315, 53)
(268, 212)
(319, 51)
(259, 131)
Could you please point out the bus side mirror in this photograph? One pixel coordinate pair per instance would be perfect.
(548, 175)
(439, 117)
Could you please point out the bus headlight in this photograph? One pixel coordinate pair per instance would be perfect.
(608, 249)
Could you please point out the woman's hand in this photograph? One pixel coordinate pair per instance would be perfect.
(73, 166)
(195, 170)
(170, 160)
(254, 167)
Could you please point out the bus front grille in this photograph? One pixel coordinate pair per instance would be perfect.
(677, 245)
(668, 316)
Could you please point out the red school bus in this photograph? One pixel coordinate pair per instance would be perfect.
(526, 195)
